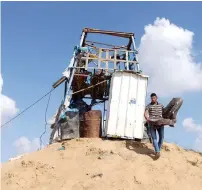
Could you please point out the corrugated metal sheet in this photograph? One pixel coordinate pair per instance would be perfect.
(126, 105)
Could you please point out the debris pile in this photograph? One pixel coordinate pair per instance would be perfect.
(106, 165)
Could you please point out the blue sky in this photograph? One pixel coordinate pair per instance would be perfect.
(37, 44)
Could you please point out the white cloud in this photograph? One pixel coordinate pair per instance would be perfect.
(1, 83)
(198, 143)
(8, 107)
(165, 53)
(24, 145)
(190, 126)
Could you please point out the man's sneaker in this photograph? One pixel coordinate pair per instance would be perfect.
(157, 156)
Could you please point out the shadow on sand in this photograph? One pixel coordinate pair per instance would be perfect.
(140, 148)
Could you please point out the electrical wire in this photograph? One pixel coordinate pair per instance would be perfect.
(27, 108)
(48, 102)
(46, 123)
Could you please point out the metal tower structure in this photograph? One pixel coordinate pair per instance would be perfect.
(90, 70)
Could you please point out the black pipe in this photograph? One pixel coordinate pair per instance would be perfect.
(60, 81)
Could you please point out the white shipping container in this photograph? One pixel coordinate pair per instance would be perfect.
(126, 105)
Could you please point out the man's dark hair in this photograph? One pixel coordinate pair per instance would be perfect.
(153, 94)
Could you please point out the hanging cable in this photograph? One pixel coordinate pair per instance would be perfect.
(46, 123)
(44, 97)
(28, 108)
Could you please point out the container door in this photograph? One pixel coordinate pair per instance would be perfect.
(115, 89)
(140, 107)
(126, 105)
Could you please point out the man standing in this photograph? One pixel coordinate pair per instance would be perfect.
(155, 110)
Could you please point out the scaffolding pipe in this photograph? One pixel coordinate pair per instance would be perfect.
(135, 49)
(75, 65)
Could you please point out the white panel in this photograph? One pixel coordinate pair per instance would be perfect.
(113, 104)
(122, 109)
(130, 124)
(126, 105)
(141, 95)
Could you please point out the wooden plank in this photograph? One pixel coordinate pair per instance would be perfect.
(86, 65)
(107, 57)
(101, 68)
(58, 82)
(100, 43)
(110, 60)
(120, 50)
(82, 75)
(115, 52)
(110, 49)
(127, 66)
(108, 32)
(129, 44)
(99, 58)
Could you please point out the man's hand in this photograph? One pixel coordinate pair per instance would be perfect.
(146, 115)
(147, 119)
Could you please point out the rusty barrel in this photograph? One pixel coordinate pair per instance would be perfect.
(90, 124)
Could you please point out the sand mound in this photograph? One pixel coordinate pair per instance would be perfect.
(102, 164)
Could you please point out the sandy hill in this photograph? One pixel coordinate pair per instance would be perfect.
(91, 164)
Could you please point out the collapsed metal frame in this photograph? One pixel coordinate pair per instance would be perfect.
(103, 61)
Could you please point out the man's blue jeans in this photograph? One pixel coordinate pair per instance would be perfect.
(157, 145)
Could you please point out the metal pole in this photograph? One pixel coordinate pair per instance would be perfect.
(134, 47)
(82, 38)
(103, 125)
(74, 65)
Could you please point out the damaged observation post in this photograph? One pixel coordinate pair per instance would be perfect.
(104, 89)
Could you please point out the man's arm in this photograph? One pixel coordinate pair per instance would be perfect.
(146, 114)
